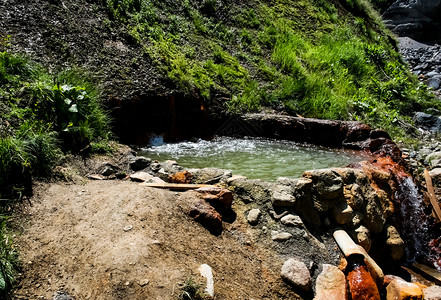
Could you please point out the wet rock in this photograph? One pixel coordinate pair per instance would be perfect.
(180, 177)
(394, 242)
(282, 196)
(296, 273)
(280, 236)
(399, 289)
(139, 163)
(217, 196)
(253, 216)
(291, 220)
(374, 214)
(362, 237)
(432, 292)
(330, 284)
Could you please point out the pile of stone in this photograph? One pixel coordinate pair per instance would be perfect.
(424, 61)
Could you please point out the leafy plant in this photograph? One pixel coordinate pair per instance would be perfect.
(8, 259)
(191, 290)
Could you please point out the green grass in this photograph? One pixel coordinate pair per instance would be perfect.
(305, 57)
(42, 116)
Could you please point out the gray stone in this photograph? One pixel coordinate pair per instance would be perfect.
(327, 183)
(282, 196)
(139, 163)
(62, 296)
(145, 177)
(291, 220)
(296, 272)
(432, 158)
(253, 216)
(427, 122)
(330, 284)
(434, 83)
(280, 236)
(210, 175)
(436, 175)
(252, 190)
(432, 292)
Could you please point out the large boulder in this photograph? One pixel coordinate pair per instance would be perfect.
(428, 122)
(418, 19)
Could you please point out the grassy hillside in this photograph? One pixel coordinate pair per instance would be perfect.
(315, 58)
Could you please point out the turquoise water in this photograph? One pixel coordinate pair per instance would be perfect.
(251, 157)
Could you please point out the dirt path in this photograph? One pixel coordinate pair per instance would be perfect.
(119, 240)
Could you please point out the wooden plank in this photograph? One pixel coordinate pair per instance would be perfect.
(431, 272)
(175, 186)
(432, 196)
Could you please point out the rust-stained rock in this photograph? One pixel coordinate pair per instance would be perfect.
(180, 177)
(202, 212)
(217, 196)
(399, 289)
(330, 284)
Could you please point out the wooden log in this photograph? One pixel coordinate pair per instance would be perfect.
(432, 196)
(431, 272)
(175, 186)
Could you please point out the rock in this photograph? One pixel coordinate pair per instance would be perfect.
(362, 237)
(327, 183)
(432, 292)
(330, 284)
(143, 282)
(282, 196)
(253, 216)
(434, 83)
(180, 177)
(436, 176)
(108, 169)
(201, 211)
(252, 190)
(342, 214)
(427, 122)
(217, 196)
(128, 228)
(145, 177)
(394, 242)
(280, 236)
(207, 272)
(433, 158)
(291, 220)
(139, 163)
(399, 289)
(418, 19)
(210, 175)
(296, 273)
(62, 296)
(96, 176)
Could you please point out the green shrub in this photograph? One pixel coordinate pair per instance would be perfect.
(8, 259)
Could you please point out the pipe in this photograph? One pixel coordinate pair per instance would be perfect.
(350, 248)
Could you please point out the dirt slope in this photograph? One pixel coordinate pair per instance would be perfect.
(107, 239)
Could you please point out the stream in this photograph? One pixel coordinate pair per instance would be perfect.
(255, 158)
